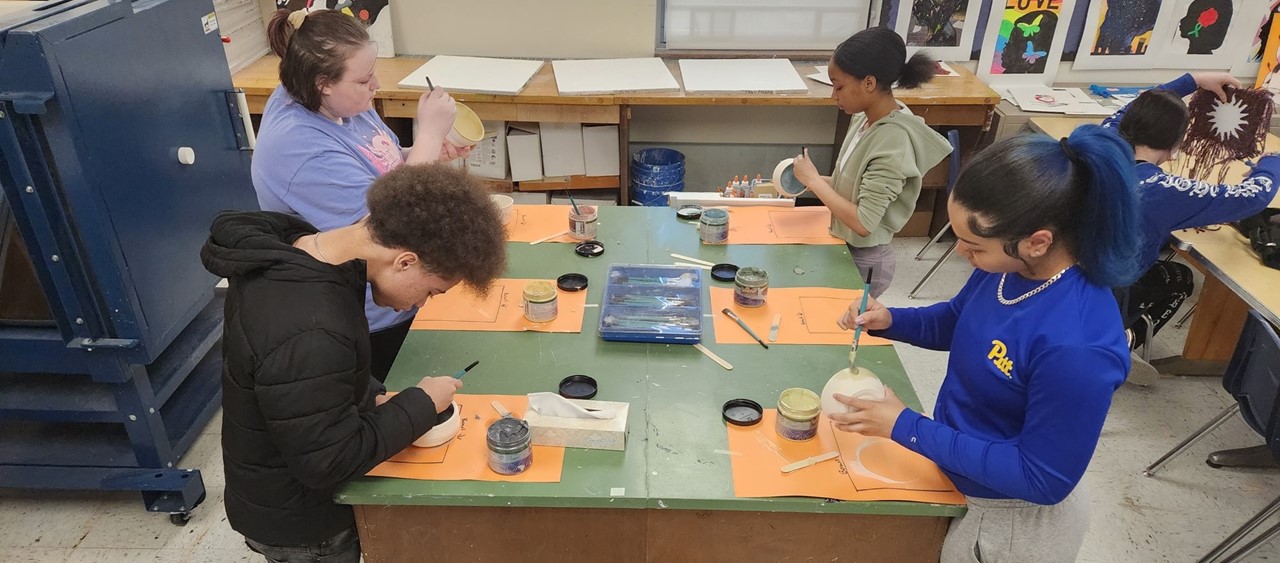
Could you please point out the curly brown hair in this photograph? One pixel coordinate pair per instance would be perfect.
(441, 214)
(315, 53)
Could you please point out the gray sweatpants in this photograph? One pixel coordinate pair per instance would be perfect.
(1016, 531)
(878, 257)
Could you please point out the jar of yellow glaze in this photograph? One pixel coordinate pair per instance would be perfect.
(540, 302)
(798, 410)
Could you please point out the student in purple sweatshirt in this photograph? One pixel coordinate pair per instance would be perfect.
(1155, 124)
(1037, 346)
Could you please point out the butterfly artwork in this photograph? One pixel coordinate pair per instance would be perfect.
(1030, 29)
(1032, 55)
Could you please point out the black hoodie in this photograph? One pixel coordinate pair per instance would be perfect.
(297, 398)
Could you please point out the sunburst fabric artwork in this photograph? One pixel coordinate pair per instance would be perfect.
(1223, 131)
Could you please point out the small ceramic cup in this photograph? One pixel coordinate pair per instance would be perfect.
(467, 128)
(505, 206)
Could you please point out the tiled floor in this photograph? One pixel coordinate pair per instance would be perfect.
(1174, 517)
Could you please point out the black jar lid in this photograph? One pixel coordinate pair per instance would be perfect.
(742, 412)
(578, 387)
(724, 272)
(689, 212)
(572, 282)
(589, 248)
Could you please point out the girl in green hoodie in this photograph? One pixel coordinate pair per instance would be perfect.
(873, 189)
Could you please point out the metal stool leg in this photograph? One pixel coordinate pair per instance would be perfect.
(950, 250)
(1242, 532)
(1183, 320)
(1253, 546)
(934, 240)
(1192, 439)
(1150, 334)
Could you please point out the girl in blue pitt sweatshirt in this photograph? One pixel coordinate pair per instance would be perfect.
(1155, 124)
(1036, 340)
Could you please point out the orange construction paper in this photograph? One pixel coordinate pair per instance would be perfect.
(502, 310)
(780, 225)
(809, 316)
(533, 222)
(758, 454)
(467, 455)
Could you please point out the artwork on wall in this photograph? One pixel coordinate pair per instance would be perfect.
(1024, 41)
(1269, 71)
(1248, 65)
(374, 14)
(944, 27)
(1117, 34)
(1206, 33)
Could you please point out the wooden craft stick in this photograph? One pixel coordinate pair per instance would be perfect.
(549, 237)
(502, 410)
(810, 461)
(690, 259)
(713, 356)
(688, 265)
(773, 327)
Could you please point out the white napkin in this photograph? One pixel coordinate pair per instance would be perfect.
(551, 404)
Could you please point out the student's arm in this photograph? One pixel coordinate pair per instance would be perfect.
(305, 389)
(1198, 204)
(1068, 397)
(1183, 86)
(929, 327)
(880, 183)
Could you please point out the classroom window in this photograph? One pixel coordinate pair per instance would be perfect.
(761, 24)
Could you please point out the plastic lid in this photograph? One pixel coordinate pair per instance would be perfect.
(572, 282)
(742, 412)
(539, 291)
(690, 212)
(589, 249)
(724, 272)
(798, 402)
(578, 387)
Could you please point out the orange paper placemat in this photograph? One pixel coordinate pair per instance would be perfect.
(867, 469)
(466, 457)
(533, 222)
(780, 225)
(501, 310)
(809, 316)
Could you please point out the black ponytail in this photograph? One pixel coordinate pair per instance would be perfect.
(881, 52)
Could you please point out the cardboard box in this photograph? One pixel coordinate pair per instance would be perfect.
(489, 157)
(562, 149)
(600, 149)
(587, 433)
(524, 151)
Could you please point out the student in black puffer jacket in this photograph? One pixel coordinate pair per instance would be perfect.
(301, 413)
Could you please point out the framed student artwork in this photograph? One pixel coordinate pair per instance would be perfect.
(944, 27)
(1248, 64)
(1269, 70)
(1211, 34)
(1024, 41)
(1117, 34)
(374, 14)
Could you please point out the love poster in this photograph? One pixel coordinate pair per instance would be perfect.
(1024, 41)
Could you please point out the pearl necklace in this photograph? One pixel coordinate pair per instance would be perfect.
(1023, 297)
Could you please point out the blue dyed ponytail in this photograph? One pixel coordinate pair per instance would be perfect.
(1083, 188)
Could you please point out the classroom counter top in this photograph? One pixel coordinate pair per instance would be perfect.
(675, 454)
(261, 78)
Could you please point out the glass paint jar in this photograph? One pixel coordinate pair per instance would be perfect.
(540, 304)
(583, 225)
(798, 410)
(750, 287)
(713, 226)
(510, 446)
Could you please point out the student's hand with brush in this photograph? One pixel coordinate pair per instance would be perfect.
(877, 317)
(441, 390)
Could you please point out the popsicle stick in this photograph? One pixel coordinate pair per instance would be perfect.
(502, 410)
(691, 259)
(549, 237)
(688, 265)
(773, 328)
(810, 461)
(713, 356)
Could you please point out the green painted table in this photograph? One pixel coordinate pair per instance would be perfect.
(669, 496)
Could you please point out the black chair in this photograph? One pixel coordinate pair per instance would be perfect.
(1131, 318)
(1253, 378)
(953, 173)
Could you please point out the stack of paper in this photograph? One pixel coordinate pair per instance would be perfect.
(1069, 101)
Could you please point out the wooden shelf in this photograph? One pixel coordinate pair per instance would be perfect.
(569, 183)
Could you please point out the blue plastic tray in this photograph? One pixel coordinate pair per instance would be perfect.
(652, 303)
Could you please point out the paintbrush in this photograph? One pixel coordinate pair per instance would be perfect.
(744, 326)
(857, 332)
(464, 371)
(431, 87)
(574, 203)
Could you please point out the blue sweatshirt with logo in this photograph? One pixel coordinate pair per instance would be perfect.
(1027, 387)
(1171, 203)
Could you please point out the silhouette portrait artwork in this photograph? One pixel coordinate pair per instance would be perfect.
(1030, 38)
(1205, 25)
(937, 23)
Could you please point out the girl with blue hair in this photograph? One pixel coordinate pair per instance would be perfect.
(1037, 346)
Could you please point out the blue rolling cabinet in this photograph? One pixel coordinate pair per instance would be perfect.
(120, 140)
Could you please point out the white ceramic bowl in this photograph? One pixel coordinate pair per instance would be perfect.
(505, 204)
(442, 432)
(784, 179)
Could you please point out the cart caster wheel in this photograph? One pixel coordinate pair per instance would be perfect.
(180, 518)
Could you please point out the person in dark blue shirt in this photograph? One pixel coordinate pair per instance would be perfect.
(1155, 124)
(1037, 345)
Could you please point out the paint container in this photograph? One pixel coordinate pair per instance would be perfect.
(540, 302)
(750, 287)
(510, 446)
(798, 410)
(582, 225)
(713, 226)
(505, 205)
